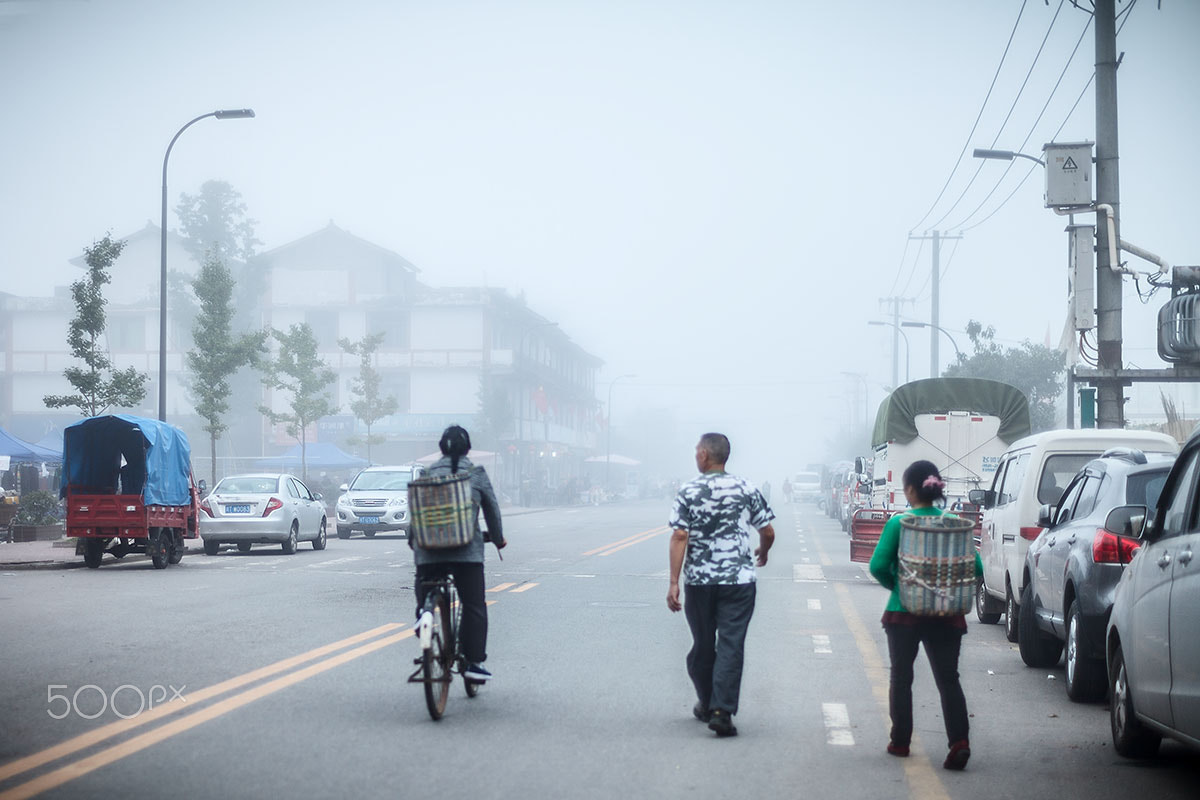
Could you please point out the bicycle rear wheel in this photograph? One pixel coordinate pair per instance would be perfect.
(437, 661)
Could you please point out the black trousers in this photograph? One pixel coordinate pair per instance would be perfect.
(468, 580)
(719, 616)
(942, 643)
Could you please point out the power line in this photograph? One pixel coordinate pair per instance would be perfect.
(1000, 132)
(978, 117)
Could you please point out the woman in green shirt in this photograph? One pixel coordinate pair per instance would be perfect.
(941, 636)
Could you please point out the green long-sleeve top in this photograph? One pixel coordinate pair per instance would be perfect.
(885, 560)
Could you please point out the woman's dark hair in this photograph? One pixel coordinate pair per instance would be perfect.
(456, 443)
(926, 481)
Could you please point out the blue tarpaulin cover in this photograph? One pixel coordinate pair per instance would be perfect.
(158, 459)
(21, 451)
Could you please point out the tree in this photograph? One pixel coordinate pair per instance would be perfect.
(218, 353)
(1033, 368)
(298, 370)
(370, 406)
(495, 413)
(98, 386)
(215, 221)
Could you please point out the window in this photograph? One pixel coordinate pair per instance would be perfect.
(1068, 500)
(324, 326)
(1057, 473)
(1179, 494)
(292, 490)
(998, 479)
(1087, 499)
(393, 324)
(1144, 488)
(1014, 479)
(301, 490)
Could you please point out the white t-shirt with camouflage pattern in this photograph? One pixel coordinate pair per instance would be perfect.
(714, 508)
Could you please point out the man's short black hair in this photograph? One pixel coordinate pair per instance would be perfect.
(717, 445)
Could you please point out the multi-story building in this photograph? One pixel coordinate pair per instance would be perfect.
(476, 356)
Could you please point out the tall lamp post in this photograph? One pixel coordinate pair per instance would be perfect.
(608, 430)
(231, 113)
(957, 352)
(907, 349)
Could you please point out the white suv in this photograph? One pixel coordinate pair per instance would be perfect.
(376, 500)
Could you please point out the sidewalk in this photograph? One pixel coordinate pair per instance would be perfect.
(60, 554)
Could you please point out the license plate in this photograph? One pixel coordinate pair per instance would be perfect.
(238, 508)
(369, 520)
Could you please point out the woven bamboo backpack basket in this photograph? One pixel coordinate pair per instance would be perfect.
(936, 565)
(443, 515)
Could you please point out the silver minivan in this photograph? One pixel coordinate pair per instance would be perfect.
(1034, 471)
(376, 500)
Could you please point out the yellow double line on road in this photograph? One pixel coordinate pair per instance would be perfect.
(628, 541)
(140, 742)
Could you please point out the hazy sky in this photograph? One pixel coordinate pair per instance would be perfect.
(710, 195)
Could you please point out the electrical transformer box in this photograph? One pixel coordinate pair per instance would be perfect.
(1068, 174)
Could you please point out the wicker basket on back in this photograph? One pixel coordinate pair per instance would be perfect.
(443, 515)
(936, 565)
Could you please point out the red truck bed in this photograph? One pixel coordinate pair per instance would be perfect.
(124, 515)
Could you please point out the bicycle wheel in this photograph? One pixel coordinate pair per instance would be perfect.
(437, 661)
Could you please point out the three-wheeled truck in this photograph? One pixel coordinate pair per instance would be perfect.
(127, 482)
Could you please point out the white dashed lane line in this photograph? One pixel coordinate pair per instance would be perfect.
(837, 724)
(807, 572)
(821, 643)
(814, 604)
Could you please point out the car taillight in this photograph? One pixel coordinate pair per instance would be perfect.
(205, 507)
(1031, 533)
(273, 504)
(1108, 548)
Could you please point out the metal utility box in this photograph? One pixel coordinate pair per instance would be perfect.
(1082, 278)
(1068, 174)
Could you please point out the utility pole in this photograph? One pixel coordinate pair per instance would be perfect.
(1110, 399)
(894, 304)
(935, 292)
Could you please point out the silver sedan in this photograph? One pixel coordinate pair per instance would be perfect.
(262, 509)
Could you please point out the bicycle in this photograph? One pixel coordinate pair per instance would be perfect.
(441, 648)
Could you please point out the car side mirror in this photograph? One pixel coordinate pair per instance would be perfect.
(860, 465)
(1127, 521)
(344, 487)
(316, 495)
(984, 498)
(1045, 516)
(202, 486)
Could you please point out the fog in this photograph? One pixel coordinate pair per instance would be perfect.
(712, 197)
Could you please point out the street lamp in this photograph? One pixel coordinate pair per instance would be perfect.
(608, 430)
(957, 352)
(1004, 155)
(907, 349)
(231, 113)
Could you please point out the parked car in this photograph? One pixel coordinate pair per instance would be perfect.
(262, 509)
(1153, 653)
(1072, 568)
(806, 487)
(376, 500)
(1033, 472)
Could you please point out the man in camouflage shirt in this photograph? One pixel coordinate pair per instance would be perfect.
(710, 544)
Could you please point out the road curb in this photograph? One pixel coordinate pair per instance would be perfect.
(13, 566)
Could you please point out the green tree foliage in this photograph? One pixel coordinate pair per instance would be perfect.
(215, 221)
(98, 386)
(369, 405)
(1033, 368)
(496, 415)
(298, 370)
(218, 353)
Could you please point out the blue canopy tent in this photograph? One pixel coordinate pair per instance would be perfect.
(319, 455)
(19, 451)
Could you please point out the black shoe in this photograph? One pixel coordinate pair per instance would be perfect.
(721, 723)
(477, 673)
(700, 712)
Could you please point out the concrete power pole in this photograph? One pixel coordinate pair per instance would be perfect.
(935, 292)
(1110, 401)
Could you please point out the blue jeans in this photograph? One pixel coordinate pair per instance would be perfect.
(719, 615)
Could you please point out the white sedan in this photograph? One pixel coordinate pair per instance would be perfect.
(262, 509)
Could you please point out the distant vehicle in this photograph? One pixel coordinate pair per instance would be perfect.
(1152, 649)
(376, 500)
(262, 508)
(806, 487)
(1072, 568)
(962, 425)
(127, 482)
(1034, 471)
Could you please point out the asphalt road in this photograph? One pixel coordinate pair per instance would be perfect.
(293, 670)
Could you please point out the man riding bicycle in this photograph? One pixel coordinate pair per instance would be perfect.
(464, 564)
